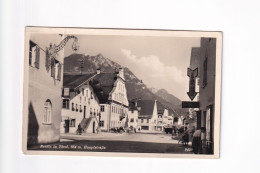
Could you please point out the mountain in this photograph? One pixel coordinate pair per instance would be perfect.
(166, 96)
(78, 63)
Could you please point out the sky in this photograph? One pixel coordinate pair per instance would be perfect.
(161, 62)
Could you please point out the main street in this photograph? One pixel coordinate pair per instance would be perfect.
(116, 142)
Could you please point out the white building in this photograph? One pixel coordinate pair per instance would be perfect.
(80, 104)
(111, 92)
(148, 115)
(44, 88)
(133, 114)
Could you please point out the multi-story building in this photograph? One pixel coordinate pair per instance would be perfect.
(207, 88)
(132, 115)
(148, 115)
(112, 95)
(44, 92)
(80, 104)
(204, 59)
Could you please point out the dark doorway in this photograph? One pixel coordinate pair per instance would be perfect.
(67, 126)
(84, 113)
(94, 124)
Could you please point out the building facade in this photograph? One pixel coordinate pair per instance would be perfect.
(111, 91)
(205, 61)
(45, 83)
(80, 105)
(207, 89)
(148, 115)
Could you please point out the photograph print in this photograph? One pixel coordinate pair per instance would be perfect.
(122, 92)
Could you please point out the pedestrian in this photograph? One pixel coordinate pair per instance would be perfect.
(196, 141)
(79, 129)
(186, 137)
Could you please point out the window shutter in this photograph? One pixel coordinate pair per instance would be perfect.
(37, 57)
(52, 67)
(59, 72)
(47, 60)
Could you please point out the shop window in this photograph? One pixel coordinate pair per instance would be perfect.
(47, 112)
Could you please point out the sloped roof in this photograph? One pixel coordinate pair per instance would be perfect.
(160, 107)
(73, 81)
(147, 107)
(132, 105)
(102, 83)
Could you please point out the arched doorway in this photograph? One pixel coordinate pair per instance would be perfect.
(94, 124)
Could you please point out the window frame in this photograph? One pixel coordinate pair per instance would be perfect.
(47, 115)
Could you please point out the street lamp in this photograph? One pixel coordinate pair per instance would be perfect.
(53, 50)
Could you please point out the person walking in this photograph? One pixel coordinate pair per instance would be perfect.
(79, 129)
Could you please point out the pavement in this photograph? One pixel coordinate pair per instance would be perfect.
(137, 137)
(116, 142)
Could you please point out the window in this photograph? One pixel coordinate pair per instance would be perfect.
(147, 120)
(72, 122)
(142, 120)
(155, 121)
(77, 108)
(101, 123)
(205, 68)
(47, 112)
(58, 71)
(91, 95)
(66, 103)
(72, 107)
(82, 91)
(80, 110)
(34, 55)
(131, 120)
(102, 108)
(55, 69)
(66, 92)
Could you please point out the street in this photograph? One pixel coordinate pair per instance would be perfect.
(116, 142)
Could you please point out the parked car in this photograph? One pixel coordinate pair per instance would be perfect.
(117, 129)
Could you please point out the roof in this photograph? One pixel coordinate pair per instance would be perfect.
(160, 107)
(73, 81)
(102, 83)
(147, 107)
(132, 105)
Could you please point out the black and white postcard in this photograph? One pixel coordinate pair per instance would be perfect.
(122, 92)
